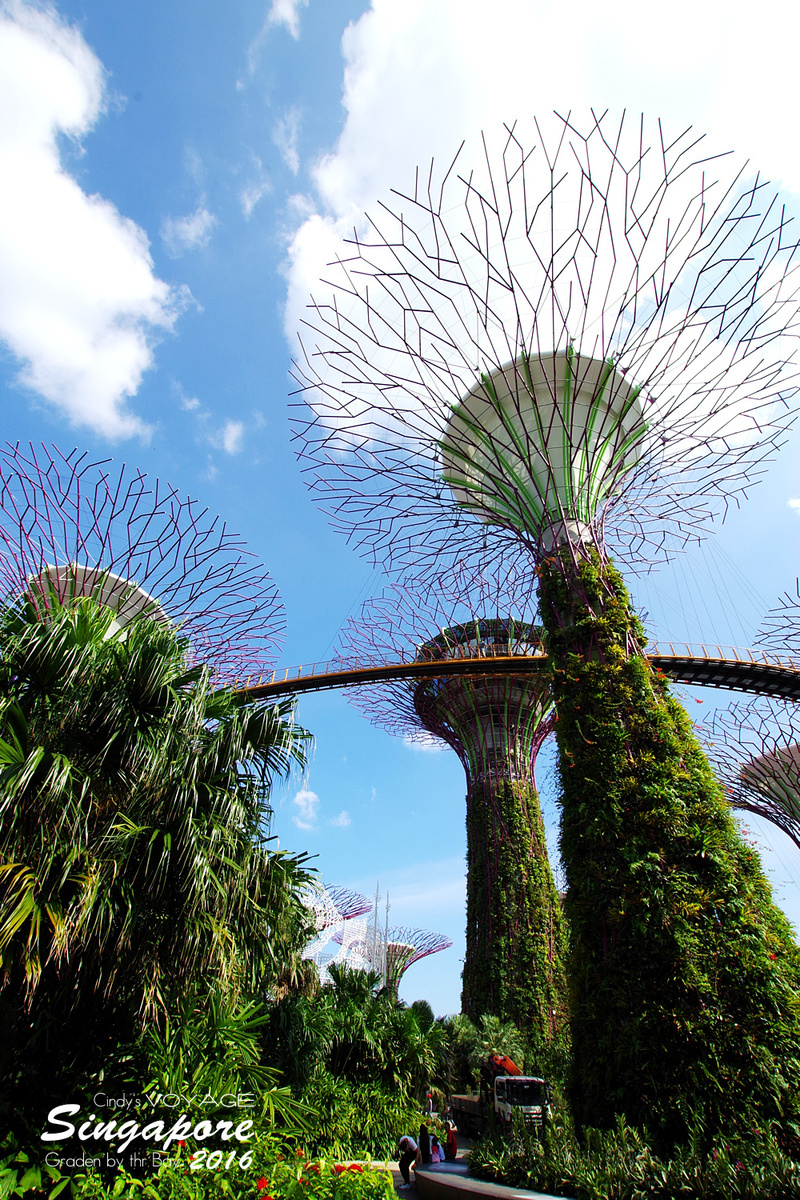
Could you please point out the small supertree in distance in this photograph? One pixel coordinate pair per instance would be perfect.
(755, 749)
(330, 906)
(579, 342)
(496, 721)
(70, 527)
(404, 947)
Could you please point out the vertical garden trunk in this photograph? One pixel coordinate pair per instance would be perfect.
(514, 965)
(683, 973)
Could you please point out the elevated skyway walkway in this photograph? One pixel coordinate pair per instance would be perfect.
(729, 667)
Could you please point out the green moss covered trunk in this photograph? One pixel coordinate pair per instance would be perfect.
(514, 965)
(683, 974)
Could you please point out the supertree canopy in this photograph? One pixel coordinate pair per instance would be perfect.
(568, 325)
(70, 527)
(389, 951)
(496, 722)
(579, 342)
(755, 749)
(405, 946)
(330, 905)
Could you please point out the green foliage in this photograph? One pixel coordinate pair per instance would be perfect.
(516, 938)
(271, 1174)
(357, 1119)
(211, 1046)
(355, 1035)
(619, 1165)
(684, 975)
(133, 854)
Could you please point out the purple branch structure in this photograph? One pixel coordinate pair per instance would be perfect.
(392, 952)
(780, 629)
(72, 527)
(755, 750)
(578, 343)
(404, 947)
(496, 723)
(567, 335)
(348, 904)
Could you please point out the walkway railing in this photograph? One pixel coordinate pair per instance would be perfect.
(737, 668)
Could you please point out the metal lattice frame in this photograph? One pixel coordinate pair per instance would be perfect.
(643, 300)
(755, 749)
(348, 903)
(390, 952)
(330, 906)
(496, 724)
(780, 629)
(79, 527)
(404, 947)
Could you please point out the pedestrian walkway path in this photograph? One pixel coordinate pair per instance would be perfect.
(451, 1181)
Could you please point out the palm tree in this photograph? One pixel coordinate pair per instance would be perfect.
(134, 850)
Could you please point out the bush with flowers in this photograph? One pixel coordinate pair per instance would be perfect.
(273, 1173)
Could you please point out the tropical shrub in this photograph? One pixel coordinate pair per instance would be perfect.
(356, 1120)
(270, 1174)
(134, 859)
(357, 1033)
(618, 1164)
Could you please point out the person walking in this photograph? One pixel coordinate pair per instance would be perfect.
(407, 1152)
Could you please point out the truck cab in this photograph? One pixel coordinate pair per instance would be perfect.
(527, 1094)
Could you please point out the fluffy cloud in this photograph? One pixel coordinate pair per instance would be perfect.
(287, 13)
(306, 803)
(475, 68)
(80, 307)
(342, 821)
(231, 436)
(795, 504)
(189, 232)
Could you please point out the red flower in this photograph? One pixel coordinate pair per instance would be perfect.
(355, 1167)
(181, 1144)
(263, 1184)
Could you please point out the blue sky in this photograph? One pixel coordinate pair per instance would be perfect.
(174, 176)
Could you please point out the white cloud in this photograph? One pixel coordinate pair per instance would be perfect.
(795, 504)
(307, 804)
(188, 233)
(190, 403)
(342, 821)
(232, 433)
(475, 69)
(80, 307)
(287, 13)
(285, 136)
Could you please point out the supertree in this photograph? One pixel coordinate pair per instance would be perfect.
(755, 749)
(390, 951)
(570, 347)
(404, 947)
(330, 906)
(496, 722)
(72, 527)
